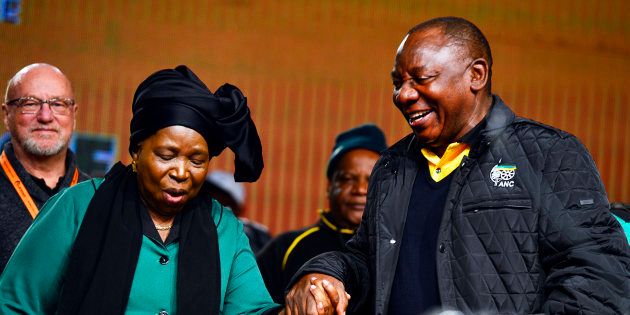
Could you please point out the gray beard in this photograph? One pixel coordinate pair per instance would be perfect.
(32, 147)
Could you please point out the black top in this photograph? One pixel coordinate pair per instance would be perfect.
(415, 287)
(257, 234)
(42, 184)
(149, 230)
(14, 216)
(302, 245)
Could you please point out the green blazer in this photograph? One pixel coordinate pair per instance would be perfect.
(34, 276)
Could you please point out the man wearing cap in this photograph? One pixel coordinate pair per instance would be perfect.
(231, 194)
(349, 167)
(39, 113)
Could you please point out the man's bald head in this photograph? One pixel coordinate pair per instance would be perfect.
(33, 69)
(463, 33)
(44, 132)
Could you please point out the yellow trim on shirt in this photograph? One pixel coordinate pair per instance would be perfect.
(331, 225)
(440, 167)
(295, 242)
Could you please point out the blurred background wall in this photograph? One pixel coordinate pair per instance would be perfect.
(311, 69)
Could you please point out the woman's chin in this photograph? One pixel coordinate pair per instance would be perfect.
(171, 205)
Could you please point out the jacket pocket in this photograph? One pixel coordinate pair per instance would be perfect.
(475, 206)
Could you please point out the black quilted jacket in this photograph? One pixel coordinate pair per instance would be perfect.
(526, 228)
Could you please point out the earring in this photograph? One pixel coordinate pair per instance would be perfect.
(133, 166)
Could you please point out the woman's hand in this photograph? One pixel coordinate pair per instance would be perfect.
(317, 294)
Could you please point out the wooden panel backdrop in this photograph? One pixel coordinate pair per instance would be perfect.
(314, 68)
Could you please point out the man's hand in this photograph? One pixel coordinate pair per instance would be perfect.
(317, 293)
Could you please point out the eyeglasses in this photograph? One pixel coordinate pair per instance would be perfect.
(31, 105)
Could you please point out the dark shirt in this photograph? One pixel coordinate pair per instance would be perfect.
(257, 234)
(149, 230)
(297, 247)
(14, 217)
(42, 184)
(415, 286)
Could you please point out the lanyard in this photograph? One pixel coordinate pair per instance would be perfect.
(21, 189)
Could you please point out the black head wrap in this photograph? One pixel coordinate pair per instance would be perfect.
(177, 97)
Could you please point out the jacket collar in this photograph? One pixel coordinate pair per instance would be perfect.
(499, 117)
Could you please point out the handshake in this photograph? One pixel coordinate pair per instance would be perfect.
(317, 293)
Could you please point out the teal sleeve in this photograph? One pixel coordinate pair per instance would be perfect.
(32, 279)
(245, 291)
(625, 225)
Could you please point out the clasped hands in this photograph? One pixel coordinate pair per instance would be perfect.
(316, 293)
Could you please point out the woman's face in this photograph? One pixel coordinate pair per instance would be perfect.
(171, 165)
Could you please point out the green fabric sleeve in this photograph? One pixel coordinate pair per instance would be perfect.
(625, 225)
(245, 291)
(31, 281)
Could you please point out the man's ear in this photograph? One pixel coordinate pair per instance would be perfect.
(74, 115)
(478, 75)
(6, 116)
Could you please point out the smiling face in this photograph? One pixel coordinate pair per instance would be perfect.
(347, 189)
(42, 133)
(435, 86)
(172, 165)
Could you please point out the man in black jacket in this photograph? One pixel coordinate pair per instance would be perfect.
(348, 172)
(39, 112)
(477, 210)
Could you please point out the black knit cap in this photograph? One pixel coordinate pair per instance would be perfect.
(177, 96)
(366, 136)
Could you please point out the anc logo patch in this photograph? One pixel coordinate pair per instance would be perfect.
(502, 174)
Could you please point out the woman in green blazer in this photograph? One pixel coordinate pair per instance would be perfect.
(148, 239)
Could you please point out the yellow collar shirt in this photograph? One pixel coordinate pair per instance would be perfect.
(441, 167)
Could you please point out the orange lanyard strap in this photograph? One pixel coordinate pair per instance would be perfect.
(75, 177)
(19, 186)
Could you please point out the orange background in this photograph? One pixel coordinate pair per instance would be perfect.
(311, 69)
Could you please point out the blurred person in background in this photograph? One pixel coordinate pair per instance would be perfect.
(148, 238)
(348, 172)
(231, 194)
(39, 113)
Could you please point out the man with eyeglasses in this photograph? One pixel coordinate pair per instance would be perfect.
(39, 113)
